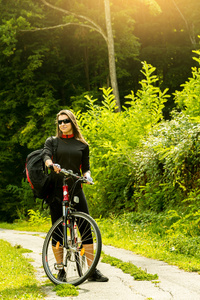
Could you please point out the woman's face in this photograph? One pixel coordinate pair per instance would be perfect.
(65, 125)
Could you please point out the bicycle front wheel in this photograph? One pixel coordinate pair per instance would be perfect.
(74, 262)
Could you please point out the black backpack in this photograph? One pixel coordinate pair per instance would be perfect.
(37, 173)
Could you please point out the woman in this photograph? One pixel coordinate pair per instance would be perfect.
(72, 154)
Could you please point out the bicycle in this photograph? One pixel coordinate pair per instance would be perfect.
(72, 246)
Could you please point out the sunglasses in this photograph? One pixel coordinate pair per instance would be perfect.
(65, 121)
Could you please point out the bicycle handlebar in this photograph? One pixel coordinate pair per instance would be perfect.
(70, 173)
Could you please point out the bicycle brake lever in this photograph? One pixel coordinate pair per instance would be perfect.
(91, 182)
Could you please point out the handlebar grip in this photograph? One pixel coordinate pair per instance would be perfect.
(70, 173)
(89, 181)
(50, 167)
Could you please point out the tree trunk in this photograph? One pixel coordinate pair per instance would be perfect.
(111, 54)
(190, 30)
(87, 68)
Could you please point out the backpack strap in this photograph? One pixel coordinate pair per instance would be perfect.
(55, 146)
(54, 140)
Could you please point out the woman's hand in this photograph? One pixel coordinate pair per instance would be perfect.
(88, 177)
(55, 167)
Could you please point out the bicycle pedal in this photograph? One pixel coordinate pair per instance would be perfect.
(59, 266)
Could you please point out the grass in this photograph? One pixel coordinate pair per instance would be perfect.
(64, 290)
(152, 242)
(128, 268)
(17, 278)
(27, 226)
(22, 250)
(147, 235)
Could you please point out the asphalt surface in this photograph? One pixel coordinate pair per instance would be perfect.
(173, 284)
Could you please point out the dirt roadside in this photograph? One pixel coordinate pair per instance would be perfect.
(173, 284)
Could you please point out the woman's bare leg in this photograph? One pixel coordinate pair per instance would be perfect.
(58, 253)
(89, 253)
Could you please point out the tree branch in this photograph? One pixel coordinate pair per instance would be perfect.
(60, 26)
(94, 26)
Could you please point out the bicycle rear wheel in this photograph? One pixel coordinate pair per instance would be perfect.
(81, 255)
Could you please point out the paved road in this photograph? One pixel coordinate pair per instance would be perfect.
(173, 284)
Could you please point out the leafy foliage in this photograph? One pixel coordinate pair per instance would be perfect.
(45, 70)
(35, 217)
(188, 98)
(168, 164)
(112, 145)
(139, 161)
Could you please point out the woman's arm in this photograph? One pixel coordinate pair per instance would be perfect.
(48, 155)
(85, 161)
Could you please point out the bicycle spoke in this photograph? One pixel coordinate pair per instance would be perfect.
(74, 262)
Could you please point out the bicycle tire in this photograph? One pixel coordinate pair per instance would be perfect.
(74, 260)
(78, 264)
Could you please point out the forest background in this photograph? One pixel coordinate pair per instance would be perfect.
(145, 158)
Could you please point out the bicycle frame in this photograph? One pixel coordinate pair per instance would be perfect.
(65, 206)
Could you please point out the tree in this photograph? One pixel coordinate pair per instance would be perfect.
(166, 43)
(189, 20)
(111, 53)
(108, 39)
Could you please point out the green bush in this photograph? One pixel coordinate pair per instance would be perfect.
(188, 99)
(168, 164)
(113, 137)
(139, 161)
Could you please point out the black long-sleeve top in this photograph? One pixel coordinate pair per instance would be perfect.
(71, 154)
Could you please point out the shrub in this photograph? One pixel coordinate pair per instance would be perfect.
(113, 137)
(188, 100)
